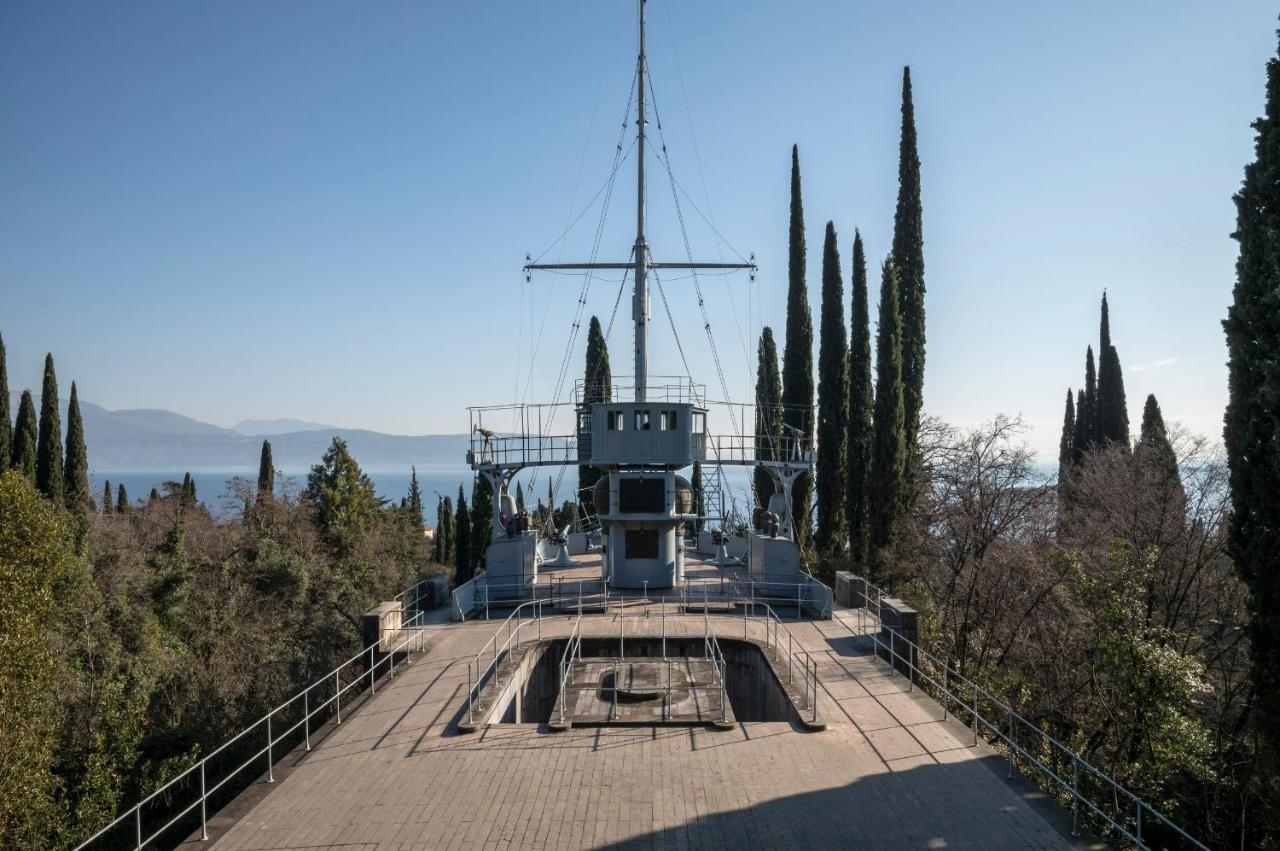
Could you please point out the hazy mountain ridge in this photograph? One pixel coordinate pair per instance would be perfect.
(153, 437)
(266, 428)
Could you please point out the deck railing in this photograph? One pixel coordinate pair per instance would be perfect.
(993, 720)
(279, 730)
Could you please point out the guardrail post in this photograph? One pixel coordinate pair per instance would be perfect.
(271, 771)
(1075, 795)
(337, 695)
(204, 814)
(664, 646)
(893, 653)
(1138, 802)
(1012, 752)
(973, 689)
(306, 718)
(791, 660)
(372, 690)
(138, 824)
(946, 692)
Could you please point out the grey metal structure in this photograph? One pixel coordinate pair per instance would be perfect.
(641, 444)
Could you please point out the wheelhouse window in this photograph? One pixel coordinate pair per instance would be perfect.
(616, 421)
(667, 421)
(642, 419)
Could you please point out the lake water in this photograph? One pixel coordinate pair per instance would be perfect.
(391, 484)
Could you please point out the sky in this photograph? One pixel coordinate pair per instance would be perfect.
(320, 210)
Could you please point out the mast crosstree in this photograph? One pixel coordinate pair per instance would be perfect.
(641, 262)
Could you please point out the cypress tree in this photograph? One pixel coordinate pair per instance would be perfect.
(1066, 461)
(861, 404)
(768, 413)
(266, 473)
(462, 542)
(888, 455)
(1067, 443)
(24, 438)
(695, 484)
(519, 497)
(188, 490)
(107, 507)
(1087, 409)
(481, 518)
(6, 423)
(75, 472)
(155, 495)
(444, 530)
(415, 500)
(833, 402)
(1080, 438)
(908, 259)
(797, 355)
(49, 440)
(597, 384)
(1251, 432)
(1111, 417)
(1157, 467)
(122, 501)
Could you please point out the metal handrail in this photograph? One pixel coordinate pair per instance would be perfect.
(1008, 735)
(334, 676)
(491, 648)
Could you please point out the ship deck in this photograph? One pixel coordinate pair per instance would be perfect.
(888, 771)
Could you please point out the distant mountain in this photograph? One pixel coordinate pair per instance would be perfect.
(154, 438)
(265, 428)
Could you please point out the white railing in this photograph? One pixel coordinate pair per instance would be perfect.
(368, 660)
(1016, 735)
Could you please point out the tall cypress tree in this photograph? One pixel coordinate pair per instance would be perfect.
(122, 501)
(1066, 459)
(1087, 410)
(107, 507)
(24, 438)
(49, 440)
(1080, 438)
(75, 471)
(1251, 432)
(888, 457)
(465, 568)
(797, 355)
(861, 406)
(1111, 417)
(415, 500)
(519, 497)
(188, 491)
(6, 423)
(908, 259)
(481, 518)
(768, 413)
(597, 386)
(266, 473)
(695, 484)
(833, 403)
(1066, 443)
(1156, 465)
(444, 531)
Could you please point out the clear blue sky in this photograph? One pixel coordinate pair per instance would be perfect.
(319, 210)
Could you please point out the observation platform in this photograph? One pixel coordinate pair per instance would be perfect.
(889, 771)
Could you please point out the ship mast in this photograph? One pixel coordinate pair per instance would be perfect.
(640, 264)
(640, 302)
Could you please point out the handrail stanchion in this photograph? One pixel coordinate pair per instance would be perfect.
(204, 797)
(271, 772)
(138, 824)
(337, 695)
(372, 690)
(1075, 796)
(306, 716)
(1012, 753)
